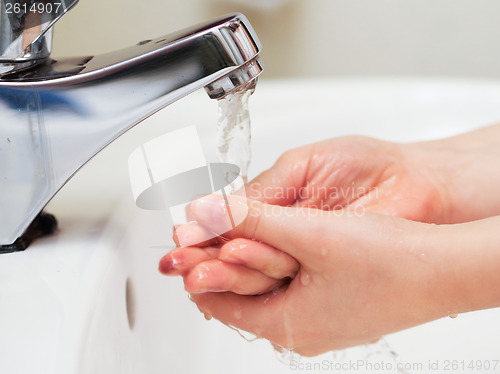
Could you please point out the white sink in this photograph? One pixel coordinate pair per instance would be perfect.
(90, 300)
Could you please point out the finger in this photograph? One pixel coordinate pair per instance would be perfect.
(212, 213)
(189, 214)
(281, 184)
(181, 261)
(259, 256)
(192, 234)
(296, 231)
(219, 276)
(256, 314)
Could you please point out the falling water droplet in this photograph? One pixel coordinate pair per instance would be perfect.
(285, 356)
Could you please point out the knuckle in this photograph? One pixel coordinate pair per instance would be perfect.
(286, 157)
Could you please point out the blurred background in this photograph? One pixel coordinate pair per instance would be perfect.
(313, 38)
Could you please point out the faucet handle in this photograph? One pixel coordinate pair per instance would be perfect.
(26, 31)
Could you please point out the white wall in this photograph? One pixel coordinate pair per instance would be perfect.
(313, 37)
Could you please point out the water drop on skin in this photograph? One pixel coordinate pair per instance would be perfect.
(203, 272)
(237, 314)
(250, 338)
(273, 294)
(305, 278)
(453, 315)
(208, 316)
(324, 252)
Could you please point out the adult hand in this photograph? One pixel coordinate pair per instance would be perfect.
(437, 182)
(360, 277)
(445, 181)
(430, 182)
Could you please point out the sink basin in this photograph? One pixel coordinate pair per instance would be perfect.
(89, 299)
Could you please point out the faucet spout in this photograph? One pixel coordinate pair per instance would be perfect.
(57, 115)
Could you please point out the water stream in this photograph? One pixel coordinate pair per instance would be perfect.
(233, 134)
(234, 146)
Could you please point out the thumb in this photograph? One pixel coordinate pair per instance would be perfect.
(290, 229)
(282, 184)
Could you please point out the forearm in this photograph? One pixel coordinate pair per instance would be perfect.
(466, 273)
(468, 171)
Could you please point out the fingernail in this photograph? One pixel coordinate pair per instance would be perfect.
(209, 208)
(175, 235)
(181, 236)
(167, 265)
(190, 234)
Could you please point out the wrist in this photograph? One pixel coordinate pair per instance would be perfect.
(465, 267)
(464, 171)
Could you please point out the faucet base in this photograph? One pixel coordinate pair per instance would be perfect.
(44, 224)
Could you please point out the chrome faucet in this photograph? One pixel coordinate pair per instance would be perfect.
(57, 114)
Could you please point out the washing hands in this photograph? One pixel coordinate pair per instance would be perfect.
(350, 239)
